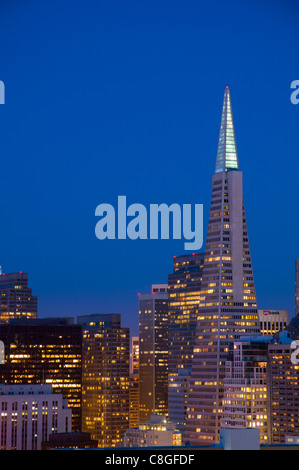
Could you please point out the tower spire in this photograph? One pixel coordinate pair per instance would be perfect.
(227, 156)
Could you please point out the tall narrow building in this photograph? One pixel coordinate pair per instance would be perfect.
(153, 350)
(184, 286)
(105, 378)
(134, 383)
(228, 307)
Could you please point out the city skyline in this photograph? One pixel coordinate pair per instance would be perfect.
(86, 120)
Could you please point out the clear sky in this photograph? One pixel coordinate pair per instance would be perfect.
(109, 98)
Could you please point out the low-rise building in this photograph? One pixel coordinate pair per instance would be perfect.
(156, 432)
(29, 414)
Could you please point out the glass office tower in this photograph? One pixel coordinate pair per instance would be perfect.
(184, 285)
(153, 354)
(45, 351)
(105, 378)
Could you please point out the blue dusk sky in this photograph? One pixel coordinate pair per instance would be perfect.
(109, 98)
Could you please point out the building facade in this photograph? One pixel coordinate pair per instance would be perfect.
(155, 432)
(134, 355)
(45, 351)
(244, 403)
(105, 378)
(16, 299)
(184, 286)
(273, 321)
(153, 354)
(29, 414)
(283, 390)
(228, 307)
(178, 389)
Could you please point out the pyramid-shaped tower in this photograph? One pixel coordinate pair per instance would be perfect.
(228, 307)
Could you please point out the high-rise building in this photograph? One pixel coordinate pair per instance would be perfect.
(29, 414)
(273, 321)
(245, 386)
(45, 351)
(297, 287)
(134, 416)
(178, 389)
(16, 299)
(134, 384)
(228, 307)
(153, 353)
(134, 365)
(283, 390)
(184, 286)
(105, 378)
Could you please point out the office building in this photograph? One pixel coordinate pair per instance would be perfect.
(178, 389)
(105, 378)
(29, 414)
(228, 307)
(153, 353)
(16, 297)
(69, 440)
(184, 286)
(134, 397)
(273, 321)
(155, 432)
(134, 355)
(283, 390)
(45, 351)
(134, 417)
(244, 403)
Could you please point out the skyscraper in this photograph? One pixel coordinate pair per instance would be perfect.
(153, 353)
(16, 299)
(134, 383)
(228, 307)
(105, 378)
(184, 285)
(45, 351)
